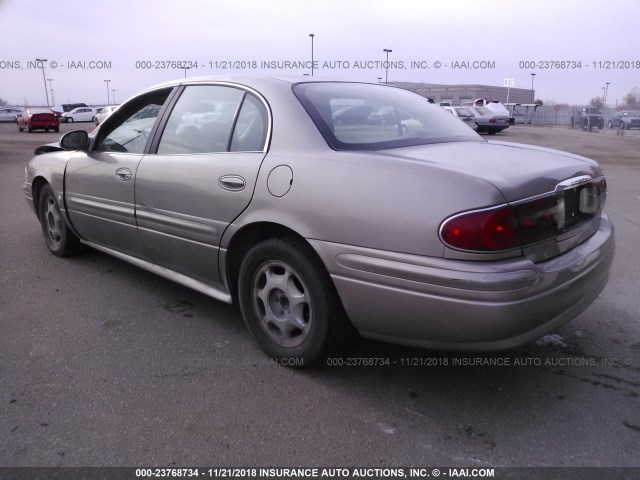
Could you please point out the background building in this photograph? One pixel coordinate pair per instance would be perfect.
(456, 94)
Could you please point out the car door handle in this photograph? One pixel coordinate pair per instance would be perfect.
(123, 174)
(233, 183)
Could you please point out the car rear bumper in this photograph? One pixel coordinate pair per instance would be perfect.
(461, 305)
(44, 124)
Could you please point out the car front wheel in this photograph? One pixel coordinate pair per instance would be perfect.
(287, 300)
(70, 120)
(60, 240)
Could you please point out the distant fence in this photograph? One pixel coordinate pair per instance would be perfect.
(562, 116)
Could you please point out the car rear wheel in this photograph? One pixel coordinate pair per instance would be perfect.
(56, 129)
(287, 300)
(29, 129)
(60, 240)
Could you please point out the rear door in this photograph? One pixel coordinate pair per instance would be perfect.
(201, 177)
(100, 184)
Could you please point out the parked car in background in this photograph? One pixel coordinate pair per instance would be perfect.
(66, 107)
(465, 114)
(104, 112)
(316, 221)
(80, 114)
(488, 121)
(9, 114)
(587, 118)
(625, 120)
(31, 119)
(493, 105)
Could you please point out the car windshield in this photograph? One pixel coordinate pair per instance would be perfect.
(631, 114)
(356, 116)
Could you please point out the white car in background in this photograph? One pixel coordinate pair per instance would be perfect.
(9, 114)
(104, 113)
(489, 121)
(463, 113)
(80, 114)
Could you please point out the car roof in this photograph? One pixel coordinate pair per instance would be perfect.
(254, 82)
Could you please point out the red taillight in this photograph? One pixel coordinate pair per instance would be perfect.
(483, 230)
(504, 228)
(493, 120)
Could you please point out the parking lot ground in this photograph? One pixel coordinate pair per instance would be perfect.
(104, 364)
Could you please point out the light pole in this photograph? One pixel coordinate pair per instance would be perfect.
(606, 93)
(379, 79)
(107, 82)
(603, 94)
(113, 92)
(44, 77)
(185, 71)
(312, 35)
(386, 75)
(51, 88)
(532, 93)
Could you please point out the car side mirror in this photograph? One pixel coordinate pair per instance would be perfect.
(76, 140)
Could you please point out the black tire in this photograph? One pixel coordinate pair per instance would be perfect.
(46, 129)
(29, 129)
(60, 240)
(600, 124)
(70, 120)
(272, 274)
(573, 122)
(56, 129)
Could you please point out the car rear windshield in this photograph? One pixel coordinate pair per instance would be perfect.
(359, 116)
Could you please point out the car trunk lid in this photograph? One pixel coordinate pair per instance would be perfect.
(552, 194)
(517, 171)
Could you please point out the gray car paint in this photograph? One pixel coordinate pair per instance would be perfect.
(386, 203)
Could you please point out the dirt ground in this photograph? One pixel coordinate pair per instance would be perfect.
(608, 147)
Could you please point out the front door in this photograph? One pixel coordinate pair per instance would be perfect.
(100, 183)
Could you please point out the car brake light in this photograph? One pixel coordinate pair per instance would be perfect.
(503, 228)
(482, 230)
(492, 120)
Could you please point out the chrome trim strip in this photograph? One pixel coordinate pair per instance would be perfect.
(574, 182)
(201, 287)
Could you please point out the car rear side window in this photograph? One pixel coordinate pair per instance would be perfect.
(355, 116)
(250, 131)
(202, 120)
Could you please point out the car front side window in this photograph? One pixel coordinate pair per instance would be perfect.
(129, 129)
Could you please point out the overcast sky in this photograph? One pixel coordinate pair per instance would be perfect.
(119, 33)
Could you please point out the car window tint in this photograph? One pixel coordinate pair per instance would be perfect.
(128, 130)
(201, 121)
(355, 116)
(250, 131)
